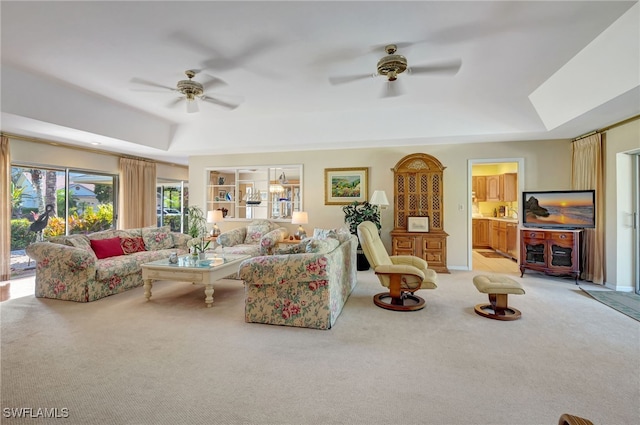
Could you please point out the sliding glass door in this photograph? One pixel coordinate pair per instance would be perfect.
(62, 201)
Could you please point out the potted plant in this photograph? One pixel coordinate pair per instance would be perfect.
(356, 213)
(197, 229)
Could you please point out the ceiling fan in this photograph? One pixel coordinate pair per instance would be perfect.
(393, 64)
(191, 91)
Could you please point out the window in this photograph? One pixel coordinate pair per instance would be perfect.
(82, 202)
(171, 201)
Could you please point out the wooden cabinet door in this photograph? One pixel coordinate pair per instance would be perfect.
(480, 236)
(495, 235)
(502, 236)
(562, 253)
(493, 188)
(510, 187)
(479, 187)
(512, 240)
(404, 245)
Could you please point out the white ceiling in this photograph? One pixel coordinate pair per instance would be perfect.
(530, 71)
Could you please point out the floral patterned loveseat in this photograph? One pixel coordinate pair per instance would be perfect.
(68, 267)
(260, 237)
(306, 286)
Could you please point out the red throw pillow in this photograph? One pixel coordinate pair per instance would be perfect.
(131, 245)
(105, 248)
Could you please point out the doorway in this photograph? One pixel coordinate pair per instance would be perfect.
(494, 199)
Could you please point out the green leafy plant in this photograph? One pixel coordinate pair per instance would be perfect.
(196, 222)
(198, 244)
(357, 212)
(197, 229)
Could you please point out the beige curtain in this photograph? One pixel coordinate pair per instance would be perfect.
(5, 211)
(587, 172)
(137, 194)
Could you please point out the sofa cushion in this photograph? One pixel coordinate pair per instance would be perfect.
(321, 246)
(300, 248)
(157, 238)
(342, 234)
(79, 241)
(255, 232)
(131, 245)
(104, 234)
(105, 248)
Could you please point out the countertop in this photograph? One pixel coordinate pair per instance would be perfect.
(505, 219)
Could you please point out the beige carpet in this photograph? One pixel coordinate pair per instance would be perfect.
(121, 360)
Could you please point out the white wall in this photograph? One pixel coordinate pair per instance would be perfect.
(548, 165)
(618, 205)
(37, 153)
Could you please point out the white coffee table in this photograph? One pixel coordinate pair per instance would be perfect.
(187, 269)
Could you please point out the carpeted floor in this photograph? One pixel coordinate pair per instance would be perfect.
(172, 361)
(625, 302)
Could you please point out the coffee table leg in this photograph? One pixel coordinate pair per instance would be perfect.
(147, 288)
(208, 294)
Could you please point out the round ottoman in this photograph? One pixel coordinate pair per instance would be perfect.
(498, 288)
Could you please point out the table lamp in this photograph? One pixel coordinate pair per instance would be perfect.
(300, 217)
(379, 198)
(215, 217)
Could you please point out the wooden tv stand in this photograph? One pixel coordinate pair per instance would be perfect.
(551, 251)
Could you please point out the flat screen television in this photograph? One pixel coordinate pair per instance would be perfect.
(562, 209)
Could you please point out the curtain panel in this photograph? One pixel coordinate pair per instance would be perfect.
(5, 211)
(587, 173)
(137, 194)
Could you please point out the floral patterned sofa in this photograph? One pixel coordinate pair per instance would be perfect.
(260, 237)
(305, 286)
(85, 268)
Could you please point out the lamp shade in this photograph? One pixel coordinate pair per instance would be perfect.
(299, 217)
(214, 216)
(379, 197)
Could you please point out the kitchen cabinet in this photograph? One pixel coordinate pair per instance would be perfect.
(480, 233)
(493, 188)
(509, 187)
(555, 252)
(512, 240)
(418, 192)
(479, 187)
(501, 188)
(499, 236)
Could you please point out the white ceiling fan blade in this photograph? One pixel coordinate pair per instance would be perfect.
(450, 68)
(192, 106)
(349, 78)
(151, 84)
(219, 102)
(173, 103)
(212, 82)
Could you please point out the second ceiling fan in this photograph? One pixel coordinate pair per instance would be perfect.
(393, 64)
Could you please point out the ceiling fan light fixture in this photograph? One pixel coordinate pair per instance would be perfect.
(190, 88)
(392, 64)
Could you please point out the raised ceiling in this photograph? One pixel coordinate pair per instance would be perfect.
(533, 70)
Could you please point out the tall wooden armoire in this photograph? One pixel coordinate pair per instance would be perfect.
(418, 192)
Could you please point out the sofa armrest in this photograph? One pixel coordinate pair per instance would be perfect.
(63, 261)
(180, 240)
(269, 241)
(232, 237)
(282, 269)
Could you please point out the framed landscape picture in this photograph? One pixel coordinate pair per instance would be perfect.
(418, 224)
(344, 186)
